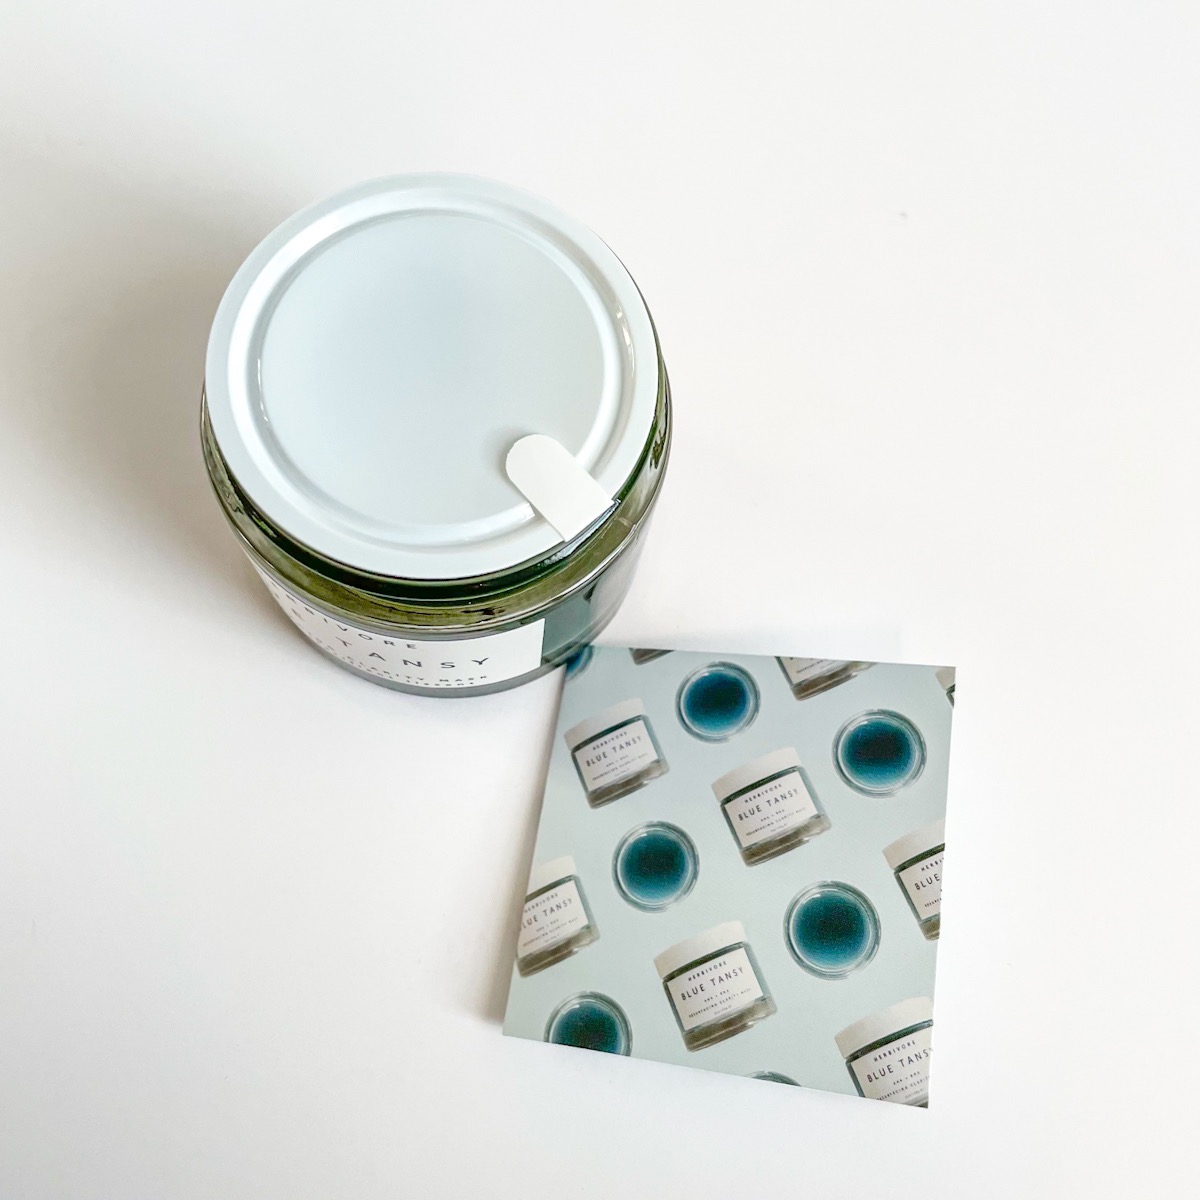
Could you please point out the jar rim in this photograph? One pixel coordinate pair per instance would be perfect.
(905, 848)
(755, 771)
(895, 1019)
(551, 871)
(690, 950)
(434, 520)
(605, 719)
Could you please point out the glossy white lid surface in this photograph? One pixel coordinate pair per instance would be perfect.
(755, 771)
(550, 872)
(683, 954)
(603, 721)
(376, 357)
(919, 841)
(883, 1023)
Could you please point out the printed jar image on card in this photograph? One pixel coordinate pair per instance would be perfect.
(739, 866)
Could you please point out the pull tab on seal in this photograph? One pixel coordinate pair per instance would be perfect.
(547, 475)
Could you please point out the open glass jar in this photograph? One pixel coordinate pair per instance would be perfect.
(437, 417)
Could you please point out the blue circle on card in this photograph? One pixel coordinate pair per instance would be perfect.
(590, 1021)
(655, 866)
(717, 701)
(879, 752)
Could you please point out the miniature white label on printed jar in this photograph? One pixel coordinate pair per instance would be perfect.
(771, 809)
(923, 884)
(897, 1071)
(551, 918)
(616, 755)
(467, 662)
(800, 669)
(714, 989)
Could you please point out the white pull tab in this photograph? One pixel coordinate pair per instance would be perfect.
(543, 471)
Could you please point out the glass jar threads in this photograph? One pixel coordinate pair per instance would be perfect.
(655, 866)
(714, 985)
(879, 752)
(717, 701)
(916, 861)
(887, 1053)
(770, 805)
(436, 416)
(590, 1021)
(812, 676)
(832, 930)
(556, 921)
(615, 752)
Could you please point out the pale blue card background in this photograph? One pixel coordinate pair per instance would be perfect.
(798, 1040)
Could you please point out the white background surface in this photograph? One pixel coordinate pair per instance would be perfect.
(926, 279)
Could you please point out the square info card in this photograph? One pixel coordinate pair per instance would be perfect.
(738, 867)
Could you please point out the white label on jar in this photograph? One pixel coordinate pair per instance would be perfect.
(715, 989)
(800, 670)
(551, 918)
(770, 809)
(466, 662)
(897, 1071)
(923, 884)
(616, 755)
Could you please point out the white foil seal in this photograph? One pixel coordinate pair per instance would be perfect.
(548, 476)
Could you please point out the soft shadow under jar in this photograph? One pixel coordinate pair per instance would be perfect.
(436, 417)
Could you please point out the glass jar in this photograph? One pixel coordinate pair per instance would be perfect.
(812, 676)
(945, 676)
(832, 929)
(717, 701)
(887, 1053)
(556, 921)
(774, 1077)
(879, 752)
(590, 1021)
(369, 368)
(615, 752)
(714, 985)
(655, 866)
(916, 861)
(770, 805)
